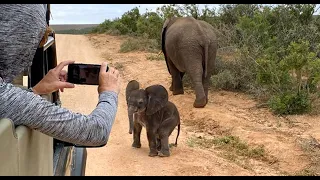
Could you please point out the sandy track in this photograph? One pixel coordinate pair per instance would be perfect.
(231, 111)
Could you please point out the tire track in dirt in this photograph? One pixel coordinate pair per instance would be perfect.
(229, 110)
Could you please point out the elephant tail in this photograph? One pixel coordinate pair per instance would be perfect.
(176, 143)
(206, 54)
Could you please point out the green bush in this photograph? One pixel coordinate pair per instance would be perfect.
(129, 19)
(290, 103)
(290, 80)
(225, 80)
(122, 28)
(150, 24)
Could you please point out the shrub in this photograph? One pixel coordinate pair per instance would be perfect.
(225, 80)
(150, 25)
(290, 103)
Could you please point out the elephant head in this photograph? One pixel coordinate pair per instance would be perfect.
(157, 98)
(148, 101)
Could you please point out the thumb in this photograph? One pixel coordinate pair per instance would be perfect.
(62, 85)
(103, 67)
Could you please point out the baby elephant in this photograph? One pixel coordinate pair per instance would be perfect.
(151, 109)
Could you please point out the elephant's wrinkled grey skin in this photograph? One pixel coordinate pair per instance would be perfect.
(189, 46)
(151, 109)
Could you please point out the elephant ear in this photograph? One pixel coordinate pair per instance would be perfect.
(163, 37)
(131, 86)
(166, 25)
(164, 28)
(157, 98)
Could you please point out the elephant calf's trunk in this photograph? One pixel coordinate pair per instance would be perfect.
(131, 116)
(130, 126)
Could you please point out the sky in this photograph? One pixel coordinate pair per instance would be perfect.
(97, 13)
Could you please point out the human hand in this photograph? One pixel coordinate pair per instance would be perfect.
(55, 79)
(108, 81)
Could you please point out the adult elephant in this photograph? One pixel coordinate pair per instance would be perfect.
(189, 46)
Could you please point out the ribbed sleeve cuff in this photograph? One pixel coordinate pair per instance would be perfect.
(107, 95)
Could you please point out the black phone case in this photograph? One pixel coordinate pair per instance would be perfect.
(75, 78)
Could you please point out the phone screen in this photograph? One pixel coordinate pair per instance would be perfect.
(84, 74)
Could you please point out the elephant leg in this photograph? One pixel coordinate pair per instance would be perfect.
(176, 85)
(181, 75)
(165, 131)
(196, 77)
(136, 135)
(164, 152)
(194, 68)
(152, 143)
(206, 87)
(158, 144)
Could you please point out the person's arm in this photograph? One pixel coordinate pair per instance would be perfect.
(35, 112)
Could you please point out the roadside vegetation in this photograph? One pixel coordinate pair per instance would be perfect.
(75, 31)
(267, 52)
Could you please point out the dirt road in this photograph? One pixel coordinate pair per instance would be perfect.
(226, 113)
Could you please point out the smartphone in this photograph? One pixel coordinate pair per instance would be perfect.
(86, 74)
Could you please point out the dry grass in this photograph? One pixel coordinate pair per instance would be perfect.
(139, 44)
(232, 148)
(205, 125)
(311, 148)
(228, 146)
(118, 66)
(155, 57)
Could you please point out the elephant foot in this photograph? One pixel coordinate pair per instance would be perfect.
(164, 154)
(153, 153)
(171, 88)
(200, 103)
(176, 92)
(136, 145)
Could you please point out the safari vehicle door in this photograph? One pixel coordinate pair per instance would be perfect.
(27, 152)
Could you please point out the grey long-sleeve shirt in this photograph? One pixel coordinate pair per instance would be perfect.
(22, 27)
(33, 111)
